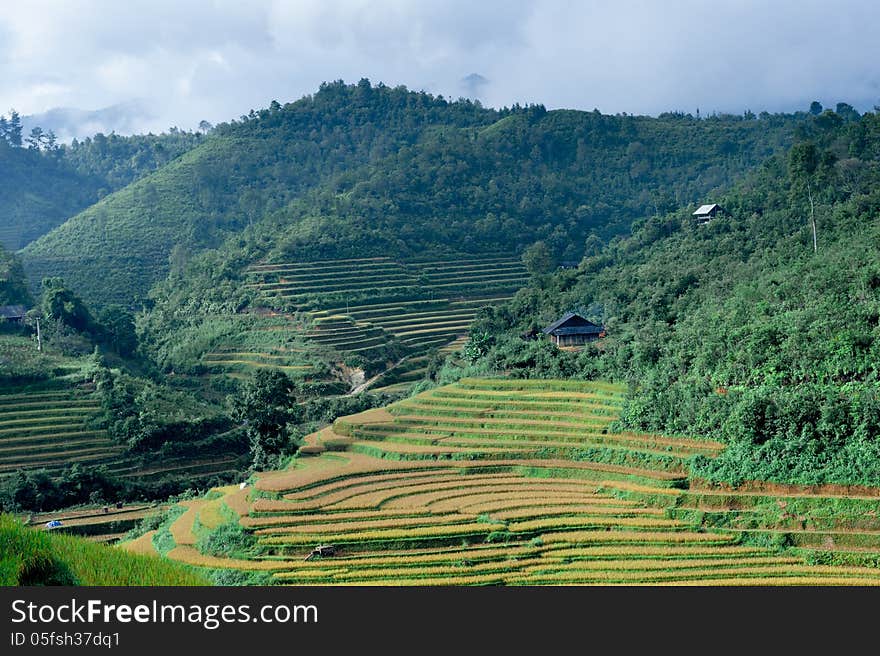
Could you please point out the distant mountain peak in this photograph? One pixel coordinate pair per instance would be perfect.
(70, 122)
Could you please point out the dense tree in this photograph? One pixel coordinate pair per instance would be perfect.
(13, 284)
(10, 128)
(117, 328)
(62, 305)
(538, 258)
(266, 406)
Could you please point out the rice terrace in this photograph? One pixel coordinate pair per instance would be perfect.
(519, 482)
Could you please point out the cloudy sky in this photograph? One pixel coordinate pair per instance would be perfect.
(187, 60)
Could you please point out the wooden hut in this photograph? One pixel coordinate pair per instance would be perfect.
(573, 330)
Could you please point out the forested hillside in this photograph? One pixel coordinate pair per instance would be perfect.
(366, 170)
(38, 192)
(740, 329)
(43, 183)
(243, 170)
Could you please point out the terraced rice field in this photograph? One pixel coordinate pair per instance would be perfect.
(50, 430)
(269, 341)
(362, 304)
(525, 483)
(55, 428)
(99, 523)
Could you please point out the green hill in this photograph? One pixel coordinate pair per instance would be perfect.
(243, 170)
(737, 329)
(42, 189)
(37, 193)
(358, 170)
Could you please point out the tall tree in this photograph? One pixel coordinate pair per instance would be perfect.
(13, 130)
(61, 304)
(803, 160)
(36, 138)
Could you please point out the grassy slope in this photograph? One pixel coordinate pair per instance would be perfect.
(33, 557)
(134, 225)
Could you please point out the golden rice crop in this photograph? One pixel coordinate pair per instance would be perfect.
(297, 479)
(191, 556)
(427, 498)
(486, 501)
(755, 571)
(354, 525)
(479, 579)
(514, 423)
(397, 497)
(182, 527)
(453, 530)
(430, 572)
(348, 483)
(646, 537)
(685, 550)
(580, 521)
(316, 518)
(237, 501)
(141, 545)
(402, 447)
(635, 487)
(672, 565)
(436, 550)
(511, 501)
(572, 510)
(779, 581)
(404, 560)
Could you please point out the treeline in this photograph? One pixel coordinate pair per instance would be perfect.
(739, 329)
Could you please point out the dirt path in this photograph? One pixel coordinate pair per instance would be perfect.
(366, 384)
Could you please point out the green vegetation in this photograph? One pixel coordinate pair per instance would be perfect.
(740, 329)
(361, 170)
(44, 183)
(13, 285)
(33, 557)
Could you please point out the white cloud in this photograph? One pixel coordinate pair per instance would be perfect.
(216, 59)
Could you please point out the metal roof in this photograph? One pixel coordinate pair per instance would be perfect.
(703, 210)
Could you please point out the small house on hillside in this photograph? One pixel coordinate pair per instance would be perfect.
(706, 213)
(573, 330)
(12, 313)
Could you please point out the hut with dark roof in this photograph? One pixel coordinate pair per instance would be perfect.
(573, 330)
(12, 313)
